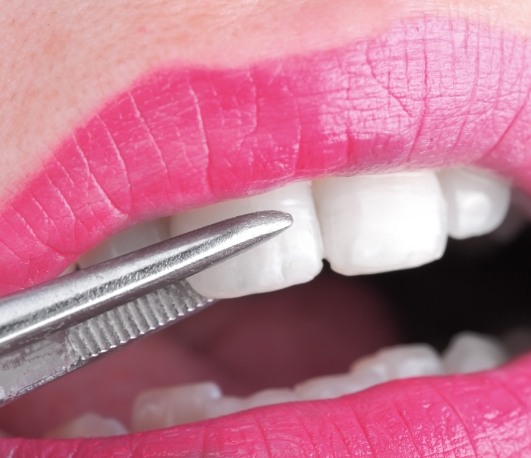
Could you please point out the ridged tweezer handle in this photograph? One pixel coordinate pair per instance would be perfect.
(66, 350)
(135, 319)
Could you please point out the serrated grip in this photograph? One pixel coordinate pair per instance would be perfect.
(135, 319)
(66, 350)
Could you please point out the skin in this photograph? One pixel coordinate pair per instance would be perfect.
(61, 60)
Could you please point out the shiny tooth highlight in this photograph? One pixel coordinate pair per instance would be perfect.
(380, 223)
(177, 405)
(134, 238)
(472, 352)
(477, 201)
(88, 425)
(293, 257)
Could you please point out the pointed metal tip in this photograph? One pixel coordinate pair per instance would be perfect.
(275, 220)
(237, 234)
(261, 225)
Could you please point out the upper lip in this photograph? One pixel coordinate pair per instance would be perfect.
(185, 137)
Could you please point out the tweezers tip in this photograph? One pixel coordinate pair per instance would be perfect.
(276, 220)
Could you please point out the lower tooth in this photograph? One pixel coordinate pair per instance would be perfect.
(380, 223)
(88, 425)
(477, 201)
(231, 404)
(293, 257)
(182, 404)
(224, 406)
(332, 386)
(173, 406)
(401, 361)
(471, 352)
(268, 397)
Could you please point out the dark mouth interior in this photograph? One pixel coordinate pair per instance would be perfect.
(281, 338)
(480, 284)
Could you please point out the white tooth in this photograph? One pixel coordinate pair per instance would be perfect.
(89, 425)
(477, 201)
(173, 406)
(134, 238)
(269, 397)
(232, 404)
(380, 223)
(331, 386)
(224, 406)
(293, 257)
(471, 352)
(401, 361)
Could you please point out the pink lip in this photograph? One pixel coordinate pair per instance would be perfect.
(478, 415)
(428, 93)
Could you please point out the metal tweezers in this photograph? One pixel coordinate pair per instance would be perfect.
(55, 328)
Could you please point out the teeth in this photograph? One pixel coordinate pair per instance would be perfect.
(88, 425)
(293, 257)
(471, 352)
(231, 404)
(134, 238)
(177, 405)
(401, 361)
(173, 406)
(268, 397)
(381, 223)
(477, 201)
(332, 386)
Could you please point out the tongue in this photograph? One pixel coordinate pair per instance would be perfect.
(245, 344)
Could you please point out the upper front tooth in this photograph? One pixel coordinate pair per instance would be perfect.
(293, 257)
(477, 201)
(134, 238)
(379, 223)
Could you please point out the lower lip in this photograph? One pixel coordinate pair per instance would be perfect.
(182, 138)
(484, 414)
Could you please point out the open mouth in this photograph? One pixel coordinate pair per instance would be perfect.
(366, 146)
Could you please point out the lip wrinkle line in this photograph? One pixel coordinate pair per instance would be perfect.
(429, 92)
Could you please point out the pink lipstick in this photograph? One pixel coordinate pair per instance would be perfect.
(427, 93)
